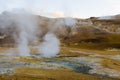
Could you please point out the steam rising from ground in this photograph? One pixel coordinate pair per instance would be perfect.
(50, 46)
(23, 44)
(25, 28)
(27, 25)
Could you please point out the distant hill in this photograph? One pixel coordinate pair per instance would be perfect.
(110, 24)
(109, 17)
(74, 30)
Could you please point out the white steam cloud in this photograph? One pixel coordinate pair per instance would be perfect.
(27, 28)
(23, 44)
(24, 28)
(50, 46)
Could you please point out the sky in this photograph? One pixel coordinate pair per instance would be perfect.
(64, 8)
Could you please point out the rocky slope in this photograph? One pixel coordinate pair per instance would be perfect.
(73, 30)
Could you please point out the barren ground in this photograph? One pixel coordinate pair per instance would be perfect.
(71, 64)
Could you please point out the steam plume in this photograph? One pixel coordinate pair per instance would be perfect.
(23, 27)
(50, 46)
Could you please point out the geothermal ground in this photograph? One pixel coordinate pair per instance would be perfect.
(70, 64)
(35, 47)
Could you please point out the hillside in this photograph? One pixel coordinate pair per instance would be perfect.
(71, 31)
(110, 24)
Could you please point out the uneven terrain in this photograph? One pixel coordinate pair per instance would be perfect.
(90, 50)
(71, 64)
